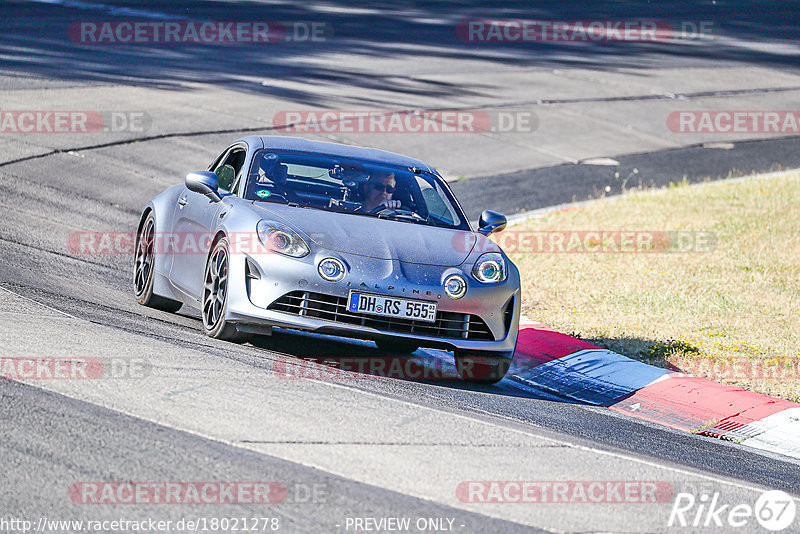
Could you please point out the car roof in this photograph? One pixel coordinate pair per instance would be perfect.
(336, 149)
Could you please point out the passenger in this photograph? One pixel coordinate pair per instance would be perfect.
(277, 173)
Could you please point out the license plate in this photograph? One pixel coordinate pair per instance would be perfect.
(419, 310)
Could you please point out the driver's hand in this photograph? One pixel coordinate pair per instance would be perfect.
(393, 204)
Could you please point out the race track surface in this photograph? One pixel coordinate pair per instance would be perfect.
(198, 409)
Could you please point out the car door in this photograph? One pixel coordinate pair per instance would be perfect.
(196, 220)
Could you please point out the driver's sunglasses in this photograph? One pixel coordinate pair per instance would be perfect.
(383, 187)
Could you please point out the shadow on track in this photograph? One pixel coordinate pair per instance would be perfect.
(327, 358)
(36, 41)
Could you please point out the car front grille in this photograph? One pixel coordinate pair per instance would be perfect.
(448, 325)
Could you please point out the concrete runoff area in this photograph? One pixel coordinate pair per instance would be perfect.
(421, 451)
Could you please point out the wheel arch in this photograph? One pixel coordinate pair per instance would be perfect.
(219, 235)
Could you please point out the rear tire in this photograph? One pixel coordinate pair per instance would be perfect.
(481, 368)
(401, 347)
(215, 295)
(144, 269)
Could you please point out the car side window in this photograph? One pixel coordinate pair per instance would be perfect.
(228, 168)
(436, 205)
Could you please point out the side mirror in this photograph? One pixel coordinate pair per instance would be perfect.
(491, 222)
(205, 183)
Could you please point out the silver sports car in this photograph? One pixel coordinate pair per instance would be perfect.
(334, 239)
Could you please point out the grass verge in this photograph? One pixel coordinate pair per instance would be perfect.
(712, 290)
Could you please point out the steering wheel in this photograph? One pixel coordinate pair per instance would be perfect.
(401, 211)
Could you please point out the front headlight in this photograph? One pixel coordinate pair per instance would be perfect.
(490, 268)
(281, 239)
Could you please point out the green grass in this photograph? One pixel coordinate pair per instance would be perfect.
(694, 311)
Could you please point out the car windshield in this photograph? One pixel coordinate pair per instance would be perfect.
(353, 186)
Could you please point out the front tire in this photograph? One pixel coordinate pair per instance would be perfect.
(144, 269)
(215, 295)
(481, 368)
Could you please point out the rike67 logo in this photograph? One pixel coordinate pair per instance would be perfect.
(774, 510)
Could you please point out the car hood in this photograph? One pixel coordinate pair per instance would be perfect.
(373, 237)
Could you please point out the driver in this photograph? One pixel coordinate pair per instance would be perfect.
(378, 191)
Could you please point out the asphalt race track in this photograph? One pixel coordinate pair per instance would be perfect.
(186, 408)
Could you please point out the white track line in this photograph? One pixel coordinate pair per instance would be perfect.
(39, 303)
